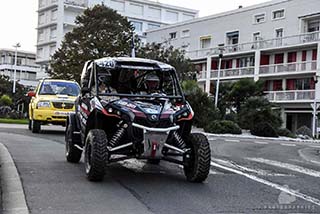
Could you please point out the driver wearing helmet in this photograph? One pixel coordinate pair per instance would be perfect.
(151, 83)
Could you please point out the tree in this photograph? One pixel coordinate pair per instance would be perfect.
(242, 90)
(6, 88)
(100, 32)
(201, 104)
(258, 110)
(5, 100)
(168, 54)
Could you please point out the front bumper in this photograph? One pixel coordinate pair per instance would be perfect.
(50, 115)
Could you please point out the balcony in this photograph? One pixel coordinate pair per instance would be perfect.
(286, 68)
(76, 3)
(233, 73)
(290, 96)
(262, 44)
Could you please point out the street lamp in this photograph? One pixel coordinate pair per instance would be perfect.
(221, 49)
(16, 46)
(315, 107)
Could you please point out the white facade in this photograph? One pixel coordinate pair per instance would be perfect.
(56, 18)
(26, 69)
(277, 41)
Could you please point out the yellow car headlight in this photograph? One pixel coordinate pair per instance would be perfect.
(43, 104)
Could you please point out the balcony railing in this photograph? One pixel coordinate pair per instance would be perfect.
(262, 44)
(202, 75)
(235, 72)
(288, 67)
(297, 95)
(78, 3)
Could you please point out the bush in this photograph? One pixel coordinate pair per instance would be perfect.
(285, 133)
(263, 129)
(304, 131)
(5, 100)
(223, 127)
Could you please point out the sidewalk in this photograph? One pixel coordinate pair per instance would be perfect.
(250, 136)
(13, 200)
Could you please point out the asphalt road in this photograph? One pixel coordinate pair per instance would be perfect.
(247, 176)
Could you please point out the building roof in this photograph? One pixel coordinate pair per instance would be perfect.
(219, 15)
(19, 51)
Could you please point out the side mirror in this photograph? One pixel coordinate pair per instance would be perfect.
(85, 90)
(31, 94)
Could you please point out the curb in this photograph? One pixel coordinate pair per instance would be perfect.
(257, 137)
(13, 198)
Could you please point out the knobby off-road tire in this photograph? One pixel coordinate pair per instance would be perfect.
(198, 168)
(35, 126)
(96, 154)
(73, 154)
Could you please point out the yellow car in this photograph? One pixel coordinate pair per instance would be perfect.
(51, 103)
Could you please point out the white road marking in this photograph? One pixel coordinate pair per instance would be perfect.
(317, 147)
(261, 142)
(268, 183)
(288, 144)
(288, 166)
(229, 140)
(246, 169)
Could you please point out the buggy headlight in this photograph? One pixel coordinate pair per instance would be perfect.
(43, 104)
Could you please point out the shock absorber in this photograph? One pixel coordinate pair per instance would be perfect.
(115, 140)
(178, 141)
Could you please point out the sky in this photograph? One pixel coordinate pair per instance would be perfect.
(18, 18)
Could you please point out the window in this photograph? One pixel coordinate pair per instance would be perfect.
(53, 32)
(245, 62)
(256, 36)
(40, 52)
(279, 33)
(40, 35)
(278, 14)
(314, 25)
(41, 18)
(205, 42)
(136, 9)
(117, 5)
(153, 26)
(185, 33)
(54, 14)
(259, 18)
(52, 49)
(233, 38)
(154, 12)
(137, 26)
(186, 17)
(173, 35)
(171, 16)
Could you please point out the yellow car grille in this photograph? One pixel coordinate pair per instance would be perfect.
(62, 105)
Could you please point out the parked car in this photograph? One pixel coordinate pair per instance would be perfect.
(51, 102)
(134, 108)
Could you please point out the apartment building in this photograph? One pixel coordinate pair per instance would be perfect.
(56, 18)
(26, 68)
(277, 41)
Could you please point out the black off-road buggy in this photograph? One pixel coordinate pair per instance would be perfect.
(134, 108)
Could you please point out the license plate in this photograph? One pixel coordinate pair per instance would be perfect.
(62, 113)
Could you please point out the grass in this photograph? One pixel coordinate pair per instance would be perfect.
(13, 121)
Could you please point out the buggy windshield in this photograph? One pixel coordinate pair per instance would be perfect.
(56, 87)
(137, 82)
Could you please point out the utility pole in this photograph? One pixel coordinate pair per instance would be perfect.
(16, 46)
(218, 80)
